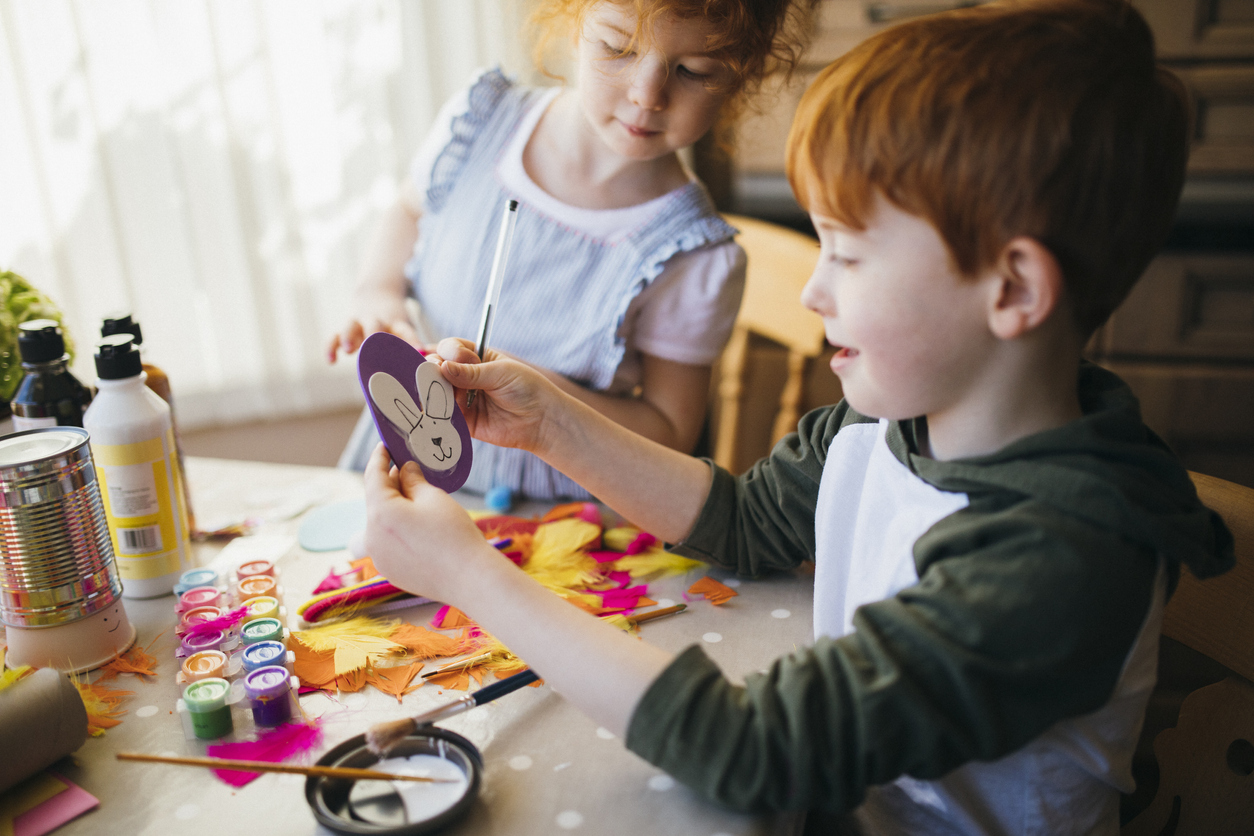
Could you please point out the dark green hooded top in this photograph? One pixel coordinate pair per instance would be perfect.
(1027, 605)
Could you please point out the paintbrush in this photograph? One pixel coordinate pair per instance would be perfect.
(346, 772)
(493, 298)
(649, 616)
(381, 738)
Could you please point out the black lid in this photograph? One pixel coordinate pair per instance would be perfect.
(40, 341)
(122, 323)
(117, 357)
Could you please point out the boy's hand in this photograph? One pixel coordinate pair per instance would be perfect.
(514, 400)
(418, 536)
(376, 312)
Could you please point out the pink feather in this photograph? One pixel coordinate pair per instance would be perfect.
(276, 745)
(223, 623)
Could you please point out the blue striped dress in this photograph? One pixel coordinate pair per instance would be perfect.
(566, 293)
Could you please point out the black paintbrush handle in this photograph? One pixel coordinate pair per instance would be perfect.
(504, 686)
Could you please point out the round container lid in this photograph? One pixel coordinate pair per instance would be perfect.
(33, 445)
(199, 615)
(263, 606)
(203, 641)
(205, 663)
(254, 586)
(117, 357)
(264, 654)
(255, 567)
(195, 577)
(261, 630)
(206, 695)
(266, 683)
(200, 596)
(40, 341)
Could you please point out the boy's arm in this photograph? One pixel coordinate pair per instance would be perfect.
(1012, 627)
(671, 406)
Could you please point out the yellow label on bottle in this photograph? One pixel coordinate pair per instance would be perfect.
(140, 485)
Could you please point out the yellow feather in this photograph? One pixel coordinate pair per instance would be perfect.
(653, 561)
(557, 559)
(617, 539)
(356, 641)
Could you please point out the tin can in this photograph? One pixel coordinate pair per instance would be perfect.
(57, 567)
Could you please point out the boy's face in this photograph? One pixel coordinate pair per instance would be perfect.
(651, 102)
(912, 333)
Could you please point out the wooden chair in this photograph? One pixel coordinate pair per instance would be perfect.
(780, 262)
(1206, 763)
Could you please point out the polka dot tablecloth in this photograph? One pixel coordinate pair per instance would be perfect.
(548, 768)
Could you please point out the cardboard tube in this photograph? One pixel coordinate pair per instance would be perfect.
(42, 719)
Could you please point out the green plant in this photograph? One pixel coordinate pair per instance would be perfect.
(21, 301)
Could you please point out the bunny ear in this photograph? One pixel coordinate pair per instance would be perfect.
(438, 397)
(394, 402)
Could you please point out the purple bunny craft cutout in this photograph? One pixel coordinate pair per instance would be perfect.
(414, 411)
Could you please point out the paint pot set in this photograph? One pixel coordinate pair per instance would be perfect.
(264, 697)
(60, 590)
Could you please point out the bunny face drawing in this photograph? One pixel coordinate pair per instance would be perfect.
(428, 429)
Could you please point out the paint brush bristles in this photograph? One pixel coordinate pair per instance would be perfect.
(344, 772)
(381, 738)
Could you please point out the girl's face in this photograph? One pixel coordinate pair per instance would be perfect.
(646, 101)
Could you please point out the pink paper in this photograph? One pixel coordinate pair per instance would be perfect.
(56, 811)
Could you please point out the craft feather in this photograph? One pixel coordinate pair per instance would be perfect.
(558, 559)
(224, 623)
(104, 705)
(274, 746)
(355, 641)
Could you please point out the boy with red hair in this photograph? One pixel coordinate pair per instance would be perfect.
(994, 530)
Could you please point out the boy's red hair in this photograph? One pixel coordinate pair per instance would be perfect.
(1044, 118)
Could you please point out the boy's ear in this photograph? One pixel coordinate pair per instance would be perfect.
(1028, 288)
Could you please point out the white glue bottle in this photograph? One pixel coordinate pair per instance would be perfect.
(137, 464)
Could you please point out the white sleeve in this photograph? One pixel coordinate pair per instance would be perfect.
(437, 138)
(686, 314)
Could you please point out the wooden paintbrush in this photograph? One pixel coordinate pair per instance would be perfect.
(652, 614)
(345, 772)
(381, 738)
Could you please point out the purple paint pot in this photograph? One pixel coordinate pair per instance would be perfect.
(196, 642)
(267, 690)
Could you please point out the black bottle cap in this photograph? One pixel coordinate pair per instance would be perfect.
(40, 341)
(117, 357)
(122, 323)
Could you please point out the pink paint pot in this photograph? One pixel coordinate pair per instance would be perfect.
(204, 664)
(255, 567)
(254, 586)
(199, 596)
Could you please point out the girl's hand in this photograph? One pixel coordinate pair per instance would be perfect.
(516, 403)
(375, 312)
(417, 535)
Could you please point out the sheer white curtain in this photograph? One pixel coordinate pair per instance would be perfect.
(216, 166)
